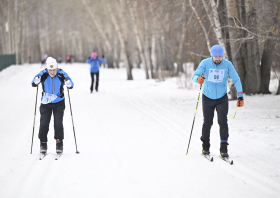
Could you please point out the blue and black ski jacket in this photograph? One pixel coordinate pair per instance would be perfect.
(53, 85)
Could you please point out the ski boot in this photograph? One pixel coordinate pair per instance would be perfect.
(224, 155)
(205, 152)
(59, 146)
(224, 150)
(43, 147)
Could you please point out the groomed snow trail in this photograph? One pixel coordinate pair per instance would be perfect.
(132, 137)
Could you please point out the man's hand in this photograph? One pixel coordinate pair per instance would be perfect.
(37, 80)
(240, 102)
(68, 83)
(200, 80)
(103, 56)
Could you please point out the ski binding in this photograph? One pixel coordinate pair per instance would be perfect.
(208, 157)
(58, 155)
(227, 160)
(42, 155)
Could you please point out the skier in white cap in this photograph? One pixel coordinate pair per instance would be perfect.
(52, 79)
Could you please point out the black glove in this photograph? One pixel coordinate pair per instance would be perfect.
(89, 57)
(240, 102)
(103, 56)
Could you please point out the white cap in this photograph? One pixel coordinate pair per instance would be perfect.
(51, 63)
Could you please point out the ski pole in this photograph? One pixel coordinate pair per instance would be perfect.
(34, 119)
(194, 118)
(235, 113)
(72, 121)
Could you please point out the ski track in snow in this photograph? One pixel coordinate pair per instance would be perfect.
(132, 137)
(176, 130)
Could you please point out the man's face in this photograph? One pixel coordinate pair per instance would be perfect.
(217, 60)
(52, 72)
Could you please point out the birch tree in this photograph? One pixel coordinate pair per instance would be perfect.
(122, 42)
(138, 40)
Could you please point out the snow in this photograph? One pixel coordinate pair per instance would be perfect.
(132, 137)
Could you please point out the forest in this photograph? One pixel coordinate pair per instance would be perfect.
(159, 36)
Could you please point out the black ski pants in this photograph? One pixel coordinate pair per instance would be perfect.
(46, 111)
(92, 81)
(209, 106)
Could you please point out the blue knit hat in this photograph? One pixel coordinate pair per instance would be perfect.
(217, 51)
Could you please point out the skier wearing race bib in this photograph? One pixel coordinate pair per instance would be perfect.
(52, 79)
(214, 73)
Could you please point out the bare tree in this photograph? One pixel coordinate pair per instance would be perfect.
(122, 42)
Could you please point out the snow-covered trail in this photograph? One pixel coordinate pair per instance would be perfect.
(132, 137)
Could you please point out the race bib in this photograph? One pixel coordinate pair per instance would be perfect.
(216, 75)
(48, 98)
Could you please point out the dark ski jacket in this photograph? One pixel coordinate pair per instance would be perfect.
(53, 85)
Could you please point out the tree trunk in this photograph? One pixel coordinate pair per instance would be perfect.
(115, 53)
(217, 27)
(236, 56)
(202, 26)
(278, 90)
(122, 43)
(147, 43)
(98, 26)
(138, 41)
(9, 25)
(252, 76)
(23, 38)
(110, 61)
(182, 39)
(153, 52)
(16, 31)
(266, 62)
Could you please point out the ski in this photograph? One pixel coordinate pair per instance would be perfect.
(42, 155)
(227, 160)
(58, 156)
(208, 157)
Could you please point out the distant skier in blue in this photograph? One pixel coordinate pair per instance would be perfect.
(215, 71)
(94, 69)
(52, 79)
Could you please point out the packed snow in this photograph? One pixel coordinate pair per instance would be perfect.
(132, 137)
